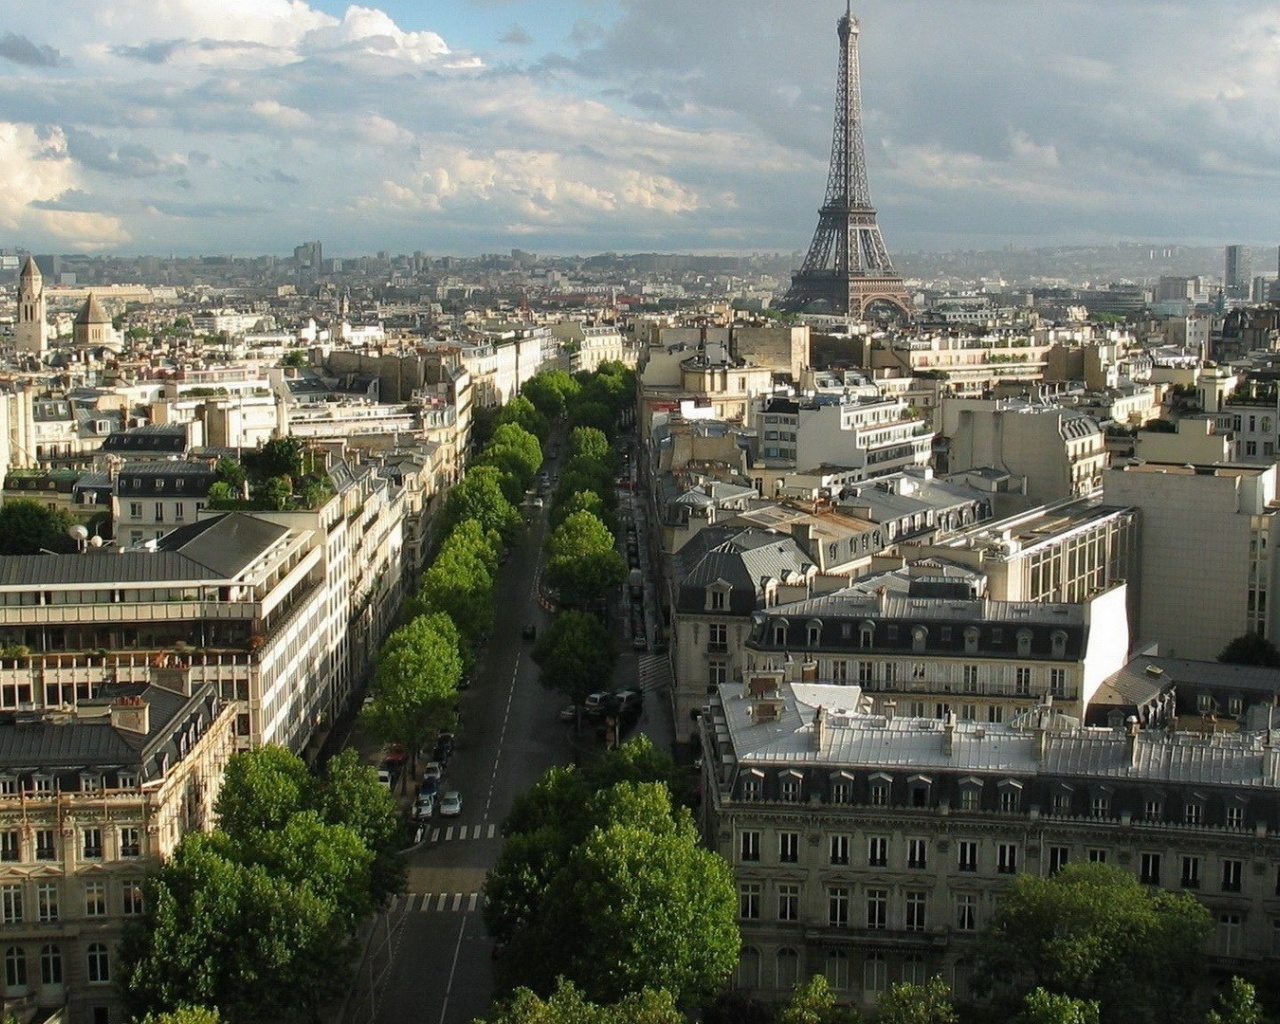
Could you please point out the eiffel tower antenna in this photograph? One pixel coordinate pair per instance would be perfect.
(848, 266)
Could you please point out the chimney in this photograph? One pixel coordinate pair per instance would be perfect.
(1131, 730)
(949, 734)
(882, 598)
(819, 727)
(131, 714)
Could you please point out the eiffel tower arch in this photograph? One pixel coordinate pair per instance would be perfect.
(847, 267)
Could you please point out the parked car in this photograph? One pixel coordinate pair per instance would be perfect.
(530, 633)
(424, 807)
(451, 804)
(639, 643)
(597, 703)
(444, 747)
(536, 503)
(428, 788)
(385, 778)
(569, 713)
(629, 700)
(434, 771)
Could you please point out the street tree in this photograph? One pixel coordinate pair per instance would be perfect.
(575, 655)
(350, 794)
(583, 501)
(184, 1015)
(416, 680)
(1041, 1007)
(567, 1005)
(550, 392)
(590, 443)
(27, 526)
(522, 413)
(583, 562)
(515, 453)
(261, 790)
(479, 496)
(929, 1003)
(1237, 1004)
(460, 582)
(585, 473)
(591, 414)
(1094, 933)
(813, 1002)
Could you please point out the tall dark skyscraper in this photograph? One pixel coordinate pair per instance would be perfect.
(848, 266)
(1237, 275)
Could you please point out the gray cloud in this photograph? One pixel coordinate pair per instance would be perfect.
(73, 201)
(128, 160)
(516, 36)
(22, 50)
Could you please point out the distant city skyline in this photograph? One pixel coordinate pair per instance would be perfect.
(576, 126)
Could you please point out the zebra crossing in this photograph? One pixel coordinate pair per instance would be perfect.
(456, 833)
(436, 903)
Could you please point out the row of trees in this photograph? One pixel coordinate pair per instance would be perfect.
(256, 920)
(1089, 946)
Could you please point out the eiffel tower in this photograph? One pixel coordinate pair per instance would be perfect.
(848, 266)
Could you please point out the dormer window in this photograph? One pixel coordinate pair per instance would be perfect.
(918, 790)
(780, 632)
(8, 785)
(790, 786)
(1024, 643)
(866, 635)
(919, 634)
(127, 780)
(971, 640)
(813, 634)
(752, 785)
(716, 599)
(90, 782)
(1058, 643)
(42, 783)
(1010, 796)
(971, 794)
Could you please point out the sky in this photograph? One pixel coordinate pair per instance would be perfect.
(581, 126)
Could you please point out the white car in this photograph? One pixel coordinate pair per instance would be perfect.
(423, 808)
(451, 804)
(433, 772)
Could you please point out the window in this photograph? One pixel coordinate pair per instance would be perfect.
(92, 843)
(1190, 872)
(749, 846)
(788, 902)
(130, 844)
(1022, 682)
(50, 965)
(1097, 856)
(788, 969)
(47, 901)
(919, 635)
(839, 848)
(135, 510)
(877, 908)
(1228, 934)
(917, 853)
(788, 847)
(1235, 816)
(971, 797)
(45, 848)
(1058, 643)
(179, 512)
(789, 788)
(875, 974)
(1010, 799)
(841, 790)
(1024, 642)
(1193, 813)
(966, 912)
(1232, 872)
(99, 964)
(9, 845)
(877, 851)
(1153, 809)
(970, 678)
(913, 970)
(159, 511)
(717, 673)
(1100, 805)
(866, 673)
(715, 600)
(717, 637)
(1062, 802)
(1058, 856)
(1007, 858)
(10, 904)
(915, 906)
(879, 794)
(15, 968)
(132, 901)
(837, 969)
(968, 855)
(1149, 872)
(749, 901)
(1058, 682)
(813, 636)
(751, 787)
(838, 906)
(970, 644)
(95, 899)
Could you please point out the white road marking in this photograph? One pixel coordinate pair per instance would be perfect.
(493, 830)
(440, 905)
(457, 901)
(471, 903)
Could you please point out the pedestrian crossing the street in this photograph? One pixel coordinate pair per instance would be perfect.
(456, 833)
(436, 903)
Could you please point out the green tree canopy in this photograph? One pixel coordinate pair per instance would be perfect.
(583, 562)
(1251, 649)
(184, 1015)
(281, 456)
(929, 1003)
(583, 501)
(1095, 933)
(522, 413)
(26, 526)
(575, 655)
(350, 794)
(460, 582)
(551, 392)
(587, 474)
(261, 790)
(1237, 1004)
(590, 443)
(479, 496)
(566, 1005)
(516, 454)
(813, 1002)
(1041, 1007)
(416, 681)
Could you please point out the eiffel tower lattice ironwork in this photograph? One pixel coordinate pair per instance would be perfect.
(847, 267)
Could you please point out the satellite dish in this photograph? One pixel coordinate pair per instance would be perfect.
(95, 541)
(77, 532)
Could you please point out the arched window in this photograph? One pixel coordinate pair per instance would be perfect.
(813, 633)
(866, 635)
(971, 635)
(51, 965)
(99, 964)
(1058, 642)
(875, 974)
(788, 969)
(1024, 642)
(749, 968)
(15, 968)
(780, 632)
(919, 634)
